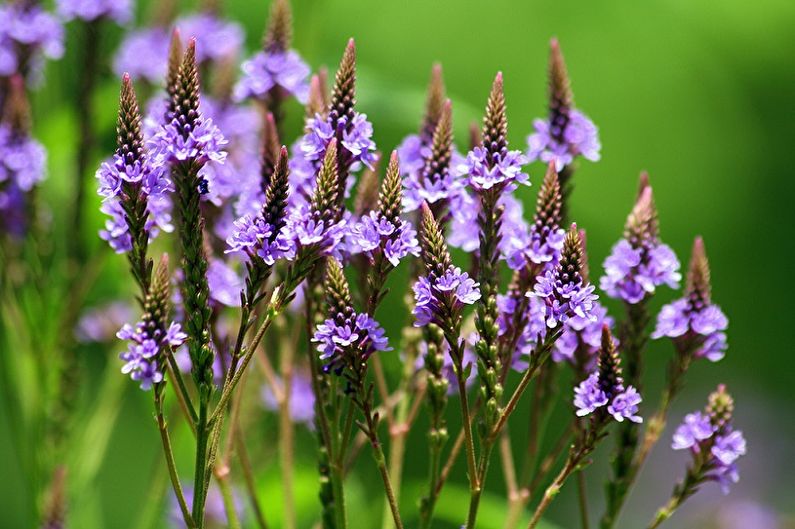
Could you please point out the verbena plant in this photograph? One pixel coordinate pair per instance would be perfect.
(281, 257)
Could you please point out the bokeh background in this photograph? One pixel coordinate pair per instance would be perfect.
(700, 94)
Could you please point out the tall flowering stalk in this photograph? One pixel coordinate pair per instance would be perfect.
(637, 265)
(566, 133)
(714, 445)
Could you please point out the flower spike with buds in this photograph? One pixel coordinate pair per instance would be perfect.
(562, 288)
(567, 132)
(119, 11)
(639, 262)
(151, 338)
(441, 294)
(351, 129)
(383, 231)
(694, 322)
(347, 338)
(29, 32)
(277, 71)
(714, 445)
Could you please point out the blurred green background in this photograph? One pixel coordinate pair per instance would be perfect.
(701, 94)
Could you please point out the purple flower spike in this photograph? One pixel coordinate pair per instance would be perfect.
(562, 289)
(695, 428)
(27, 31)
(694, 322)
(639, 262)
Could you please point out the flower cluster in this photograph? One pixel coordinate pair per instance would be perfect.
(567, 132)
(356, 138)
(22, 166)
(713, 442)
(119, 11)
(639, 262)
(27, 33)
(694, 322)
(266, 70)
(346, 339)
(116, 231)
(142, 359)
(397, 240)
(579, 137)
(605, 387)
(562, 288)
(437, 297)
(254, 236)
(486, 171)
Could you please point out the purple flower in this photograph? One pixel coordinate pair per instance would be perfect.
(177, 142)
(564, 298)
(540, 246)
(704, 328)
(22, 166)
(502, 170)
(713, 442)
(356, 334)
(437, 296)
(588, 395)
(464, 228)
(27, 29)
(142, 355)
(625, 406)
(356, 138)
(413, 153)
(302, 399)
(254, 236)
(216, 39)
(632, 273)
(267, 70)
(143, 54)
(695, 428)
(308, 230)
(582, 334)
(119, 11)
(729, 447)
(580, 138)
(375, 231)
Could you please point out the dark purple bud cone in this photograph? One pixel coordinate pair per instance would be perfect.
(343, 96)
(390, 197)
(698, 288)
(175, 53)
(324, 202)
(433, 248)
(434, 104)
(495, 122)
(437, 166)
(560, 97)
(570, 267)
(609, 365)
(642, 227)
(338, 295)
(279, 33)
(548, 203)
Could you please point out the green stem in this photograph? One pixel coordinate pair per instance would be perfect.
(170, 462)
(200, 464)
(229, 501)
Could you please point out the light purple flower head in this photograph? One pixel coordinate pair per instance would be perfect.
(486, 171)
(216, 39)
(22, 167)
(436, 297)
(27, 29)
(356, 138)
(268, 70)
(142, 358)
(562, 288)
(119, 11)
(345, 335)
(143, 54)
(694, 322)
(580, 138)
(639, 263)
(695, 428)
(375, 231)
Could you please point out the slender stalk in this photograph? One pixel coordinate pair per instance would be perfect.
(286, 437)
(222, 478)
(200, 463)
(251, 486)
(170, 462)
(582, 499)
